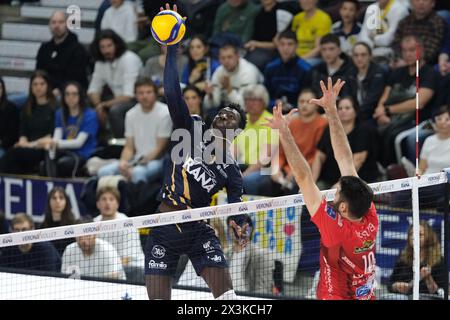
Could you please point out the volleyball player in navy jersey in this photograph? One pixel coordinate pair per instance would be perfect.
(191, 183)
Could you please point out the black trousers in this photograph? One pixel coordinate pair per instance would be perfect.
(22, 160)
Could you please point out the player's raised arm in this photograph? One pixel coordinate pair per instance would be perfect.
(178, 109)
(339, 141)
(297, 162)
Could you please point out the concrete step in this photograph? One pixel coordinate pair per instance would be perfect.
(16, 84)
(83, 4)
(19, 49)
(40, 33)
(22, 64)
(39, 12)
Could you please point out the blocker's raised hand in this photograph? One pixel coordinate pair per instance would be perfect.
(330, 94)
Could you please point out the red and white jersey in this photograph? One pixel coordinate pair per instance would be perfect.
(347, 254)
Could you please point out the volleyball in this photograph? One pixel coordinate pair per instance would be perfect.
(168, 27)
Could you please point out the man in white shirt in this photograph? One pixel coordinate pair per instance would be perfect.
(92, 257)
(230, 79)
(147, 131)
(379, 34)
(117, 68)
(121, 17)
(126, 242)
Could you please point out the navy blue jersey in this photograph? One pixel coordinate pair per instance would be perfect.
(192, 182)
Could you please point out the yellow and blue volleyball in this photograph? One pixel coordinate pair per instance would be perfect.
(168, 27)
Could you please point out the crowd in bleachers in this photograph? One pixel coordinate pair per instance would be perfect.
(100, 111)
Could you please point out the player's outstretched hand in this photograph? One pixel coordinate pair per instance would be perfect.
(241, 233)
(279, 121)
(330, 94)
(175, 8)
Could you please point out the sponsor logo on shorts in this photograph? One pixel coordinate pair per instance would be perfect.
(216, 258)
(367, 245)
(363, 291)
(152, 264)
(331, 213)
(158, 251)
(208, 247)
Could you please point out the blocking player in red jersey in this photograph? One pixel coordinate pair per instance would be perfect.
(348, 228)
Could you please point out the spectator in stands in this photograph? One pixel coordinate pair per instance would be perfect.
(444, 63)
(435, 154)
(335, 64)
(253, 147)
(310, 25)
(200, 67)
(347, 28)
(75, 137)
(117, 68)
(424, 23)
(121, 17)
(396, 109)
(154, 69)
(32, 256)
(63, 57)
(147, 130)
(261, 47)
(230, 79)
(126, 242)
(58, 212)
(236, 17)
(432, 265)
(9, 121)
(93, 257)
(251, 267)
(193, 97)
(379, 33)
(366, 80)
(36, 124)
(325, 169)
(307, 130)
(286, 76)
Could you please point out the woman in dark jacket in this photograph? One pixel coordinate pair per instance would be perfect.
(9, 121)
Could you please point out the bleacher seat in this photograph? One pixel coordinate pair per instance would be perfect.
(16, 84)
(83, 4)
(20, 64)
(41, 33)
(31, 11)
(19, 49)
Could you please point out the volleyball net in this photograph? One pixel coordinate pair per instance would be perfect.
(105, 259)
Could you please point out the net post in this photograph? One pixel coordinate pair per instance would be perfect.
(416, 237)
(446, 231)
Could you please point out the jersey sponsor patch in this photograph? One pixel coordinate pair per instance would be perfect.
(331, 213)
(367, 245)
(363, 291)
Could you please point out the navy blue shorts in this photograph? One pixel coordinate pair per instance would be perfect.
(197, 239)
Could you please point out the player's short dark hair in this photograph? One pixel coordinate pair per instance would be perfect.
(442, 109)
(330, 38)
(288, 34)
(355, 2)
(238, 108)
(144, 81)
(357, 194)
